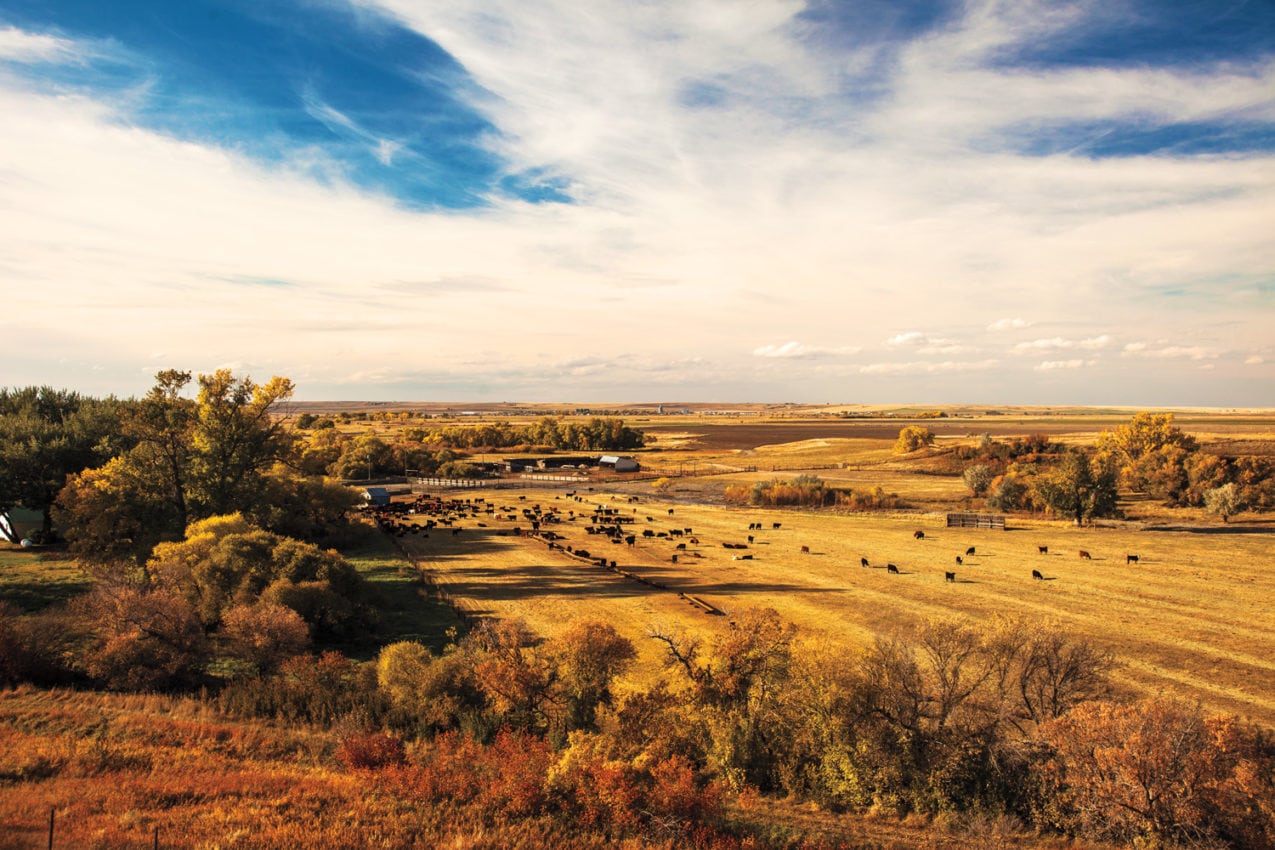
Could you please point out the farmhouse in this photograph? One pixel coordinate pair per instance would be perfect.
(619, 464)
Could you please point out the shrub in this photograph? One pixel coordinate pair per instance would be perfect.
(360, 750)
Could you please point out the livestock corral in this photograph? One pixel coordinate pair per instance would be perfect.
(1187, 613)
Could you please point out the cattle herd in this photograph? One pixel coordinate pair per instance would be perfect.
(424, 514)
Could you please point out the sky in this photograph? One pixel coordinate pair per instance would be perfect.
(869, 201)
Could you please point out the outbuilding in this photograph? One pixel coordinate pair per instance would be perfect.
(376, 496)
(619, 464)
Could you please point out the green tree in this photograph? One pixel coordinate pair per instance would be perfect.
(47, 435)
(1078, 488)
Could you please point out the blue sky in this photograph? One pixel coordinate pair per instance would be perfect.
(700, 200)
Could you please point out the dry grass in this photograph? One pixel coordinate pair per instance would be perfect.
(1192, 618)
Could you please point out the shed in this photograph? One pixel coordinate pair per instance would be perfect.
(619, 464)
(376, 496)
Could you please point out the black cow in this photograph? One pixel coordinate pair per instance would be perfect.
(1131, 559)
(863, 562)
(969, 551)
(1044, 550)
(891, 568)
(1036, 575)
(950, 577)
(919, 535)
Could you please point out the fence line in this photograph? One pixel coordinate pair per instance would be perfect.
(992, 521)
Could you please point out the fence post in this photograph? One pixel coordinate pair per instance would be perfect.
(51, 813)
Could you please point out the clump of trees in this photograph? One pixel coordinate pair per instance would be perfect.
(808, 491)
(1149, 455)
(188, 459)
(48, 434)
(1155, 457)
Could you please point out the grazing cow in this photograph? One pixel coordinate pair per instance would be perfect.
(950, 577)
(1044, 550)
(674, 559)
(1085, 556)
(919, 535)
(750, 538)
(681, 546)
(969, 551)
(670, 511)
(1036, 575)
(805, 550)
(695, 541)
(630, 539)
(741, 557)
(776, 524)
(1131, 559)
(959, 560)
(891, 568)
(863, 562)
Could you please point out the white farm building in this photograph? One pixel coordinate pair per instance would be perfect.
(619, 464)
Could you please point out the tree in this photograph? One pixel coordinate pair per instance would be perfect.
(1223, 501)
(1077, 488)
(264, 634)
(737, 691)
(1157, 769)
(912, 438)
(1143, 450)
(46, 435)
(235, 439)
(978, 478)
(143, 639)
(588, 655)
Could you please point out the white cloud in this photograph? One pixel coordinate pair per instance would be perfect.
(19, 46)
(1255, 360)
(1173, 352)
(906, 338)
(1008, 324)
(1061, 343)
(799, 350)
(1051, 365)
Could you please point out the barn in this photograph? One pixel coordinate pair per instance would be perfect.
(376, 496)
(619, 464)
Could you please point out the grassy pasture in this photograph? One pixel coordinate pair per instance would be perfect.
(34, 579)
(1192, 618)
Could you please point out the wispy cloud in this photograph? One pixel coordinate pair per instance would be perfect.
(800, 350)
(19, 46)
